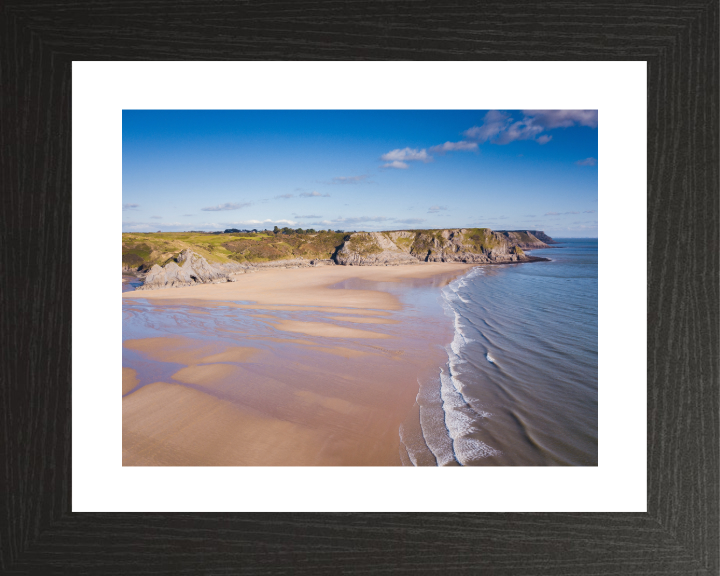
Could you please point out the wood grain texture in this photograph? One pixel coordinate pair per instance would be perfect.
(678, 535)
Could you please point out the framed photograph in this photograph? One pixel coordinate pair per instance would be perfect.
(359, 279)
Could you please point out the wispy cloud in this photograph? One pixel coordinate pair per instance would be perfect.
(564, 213)
(501, 128)
(131, 206)
(226, 206)
(550, 119)
(494, 123)
(362, 179)
(306, 216)
(399, 157)
(257, 223)
(156, 217)
(492, 218)
(396, 164)
(410, 221)
(463, 145)
(284, 196)
(152, 226)
(589, 211)
(436, 209)
(552, 213)
(373, 221)
(587, 162)
(405, 154)
(314, 194)
(186, 215)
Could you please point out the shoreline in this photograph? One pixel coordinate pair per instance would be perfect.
(323, 367)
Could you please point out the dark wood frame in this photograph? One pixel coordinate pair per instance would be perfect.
(678, 535)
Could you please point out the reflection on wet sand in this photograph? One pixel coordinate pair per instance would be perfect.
(228, 388)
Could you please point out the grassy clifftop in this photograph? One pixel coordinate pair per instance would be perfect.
(141, 250)
(144, 249)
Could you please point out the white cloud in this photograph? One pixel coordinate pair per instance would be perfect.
(550, 119)
(226, 206)
(587, 162)
(500, 128)
(351, 221)
(410, 221)
(153, 226)
(589, 211)
(493, 124)
(285, 196)
(436, 209)
(156, 217)
(314, 194)
(396, 164)
(256, 223)
(362, 179)
(131, 206)
(406, 154)
(463, 145)
(307, 216)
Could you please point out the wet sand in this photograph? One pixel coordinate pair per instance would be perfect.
(303, 373)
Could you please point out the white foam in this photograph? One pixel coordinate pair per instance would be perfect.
(447, 421)
(432, 422)
(403, 439)
(461, 421)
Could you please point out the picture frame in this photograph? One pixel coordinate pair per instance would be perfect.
(678, 535)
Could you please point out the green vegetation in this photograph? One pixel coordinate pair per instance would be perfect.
(286, 244)
(522, 237)
(404, 242)
(481, 240)
(364, 244)
(144, 250)
(425, 241)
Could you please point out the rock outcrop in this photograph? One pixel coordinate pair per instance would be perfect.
(373, 249)
(470, 245)
(396, 248)
(189, 269)
(526, 239)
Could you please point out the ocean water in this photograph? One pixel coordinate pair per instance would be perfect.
(520, 383)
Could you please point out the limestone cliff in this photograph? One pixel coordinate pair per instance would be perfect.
(374, 249)
(528, 239)
(394, 248)
(480, 245)
(188, 269)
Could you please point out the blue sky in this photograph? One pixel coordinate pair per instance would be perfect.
(361, 170)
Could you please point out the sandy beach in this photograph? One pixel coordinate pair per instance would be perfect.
(306, 366)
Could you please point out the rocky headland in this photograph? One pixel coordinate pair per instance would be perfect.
(394, 248)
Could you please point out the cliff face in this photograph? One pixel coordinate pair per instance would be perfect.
(480, 245)
(529, 239)
(470, 245)
(189, 270)
(374, 249)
